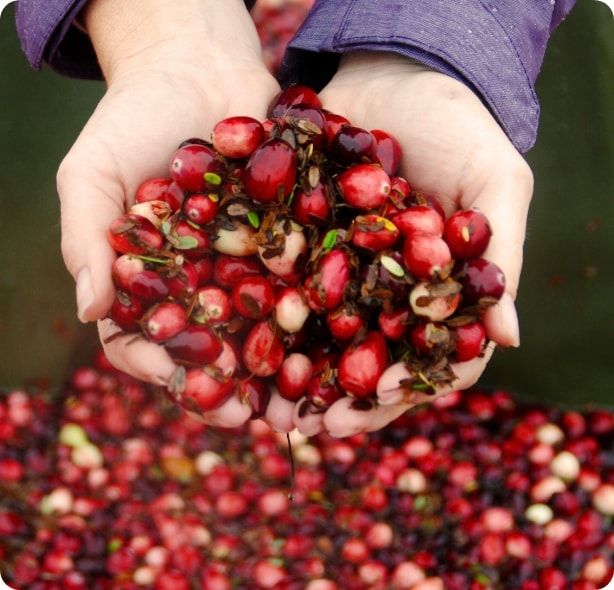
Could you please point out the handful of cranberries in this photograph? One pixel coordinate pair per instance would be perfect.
(288, 255)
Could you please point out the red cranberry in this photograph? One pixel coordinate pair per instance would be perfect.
(426, 256)
(373, 232)
(253, 297)
(326, 288)
(312, 114)
(230, 269)
(333, 125)
(361, 366)
(467, 234)
(469, 341)
(393, 324)
(163, 321)
(364, 186)
(419, 219)
(312, 207)
(344, 324)
(182, 281)
(293, 376)
(270, 173)
(214, 306)
(148, 286)
(133, 234)
(263, 351)
(196, 168)
(126, 312)
(153, 189)
(257, 394)
(200, 208)
(237, 137)
(204, 391)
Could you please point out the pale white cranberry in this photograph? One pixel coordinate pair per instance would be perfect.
(406, 574)
(291, 310)
(87, 456)
(157, 556)
(433, 583)
(596, 569)
(73, 435)
(544, 489)
(417, 446)
(412, 481)
(518, 545)
(284, 264)
(237, 242)
(558, 530)
(498, 520)
(273, 502)
(156, 211)
(372, 572)
(321, 584)
(541, 454)
(308, 455)
(550, 434)
(603, 499)
(540, 514)
(379, 535)
(566, 466)
(436, 309)
(207, 461)
(144, 575)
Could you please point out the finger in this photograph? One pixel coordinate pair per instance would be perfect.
(308, 423)
(504, 199)
(391, 393)
(230, 414)
(342, 419)
(279, 413)
(134, 355)
(87, 212)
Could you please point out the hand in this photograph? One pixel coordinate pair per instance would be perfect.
(171, 74)
(454, 150)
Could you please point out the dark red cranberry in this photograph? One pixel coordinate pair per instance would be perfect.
(257, 394)
(344, 324)
(291, 96)
(204, 270)
(182, 281)
(353, 145)
(192, 241)
(322, 390)
(270, 172)
(393, 324)
(194, 344)
(312, 114)
(467, 233)
(482, 279)
(325, 289)
(387, 151)
(126, 312)
(148, 286)
(196, 168)
(333, 125)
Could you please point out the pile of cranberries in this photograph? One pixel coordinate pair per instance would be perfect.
(288, 254)
(106, 487)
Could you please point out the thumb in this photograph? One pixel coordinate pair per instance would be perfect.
(504, 198)
(87, 209)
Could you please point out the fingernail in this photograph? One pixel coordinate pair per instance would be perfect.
(510, 319)
(85, 293)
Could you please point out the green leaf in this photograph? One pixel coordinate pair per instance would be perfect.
(253, 219)
(420, 503)
(165, 227)
(330, 239)
(114, 545)
(186, 243)
(482, 578)
(213, 178)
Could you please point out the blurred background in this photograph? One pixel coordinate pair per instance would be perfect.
(566, 297)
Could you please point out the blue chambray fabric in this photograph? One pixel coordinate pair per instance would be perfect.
(496, 47)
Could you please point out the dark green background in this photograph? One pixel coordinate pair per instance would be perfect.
(565, 301)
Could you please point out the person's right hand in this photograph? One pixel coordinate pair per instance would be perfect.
(173, 71)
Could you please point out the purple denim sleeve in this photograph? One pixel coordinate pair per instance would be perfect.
(494, 47)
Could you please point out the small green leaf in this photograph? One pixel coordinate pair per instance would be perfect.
(213, 178)
(392, 266)
(420, 503)
(165, 227)
(330, 239)
(114, 545)
(253, 219)
(482, 578)
(186, 243)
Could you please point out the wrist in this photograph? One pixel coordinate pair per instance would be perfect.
(195, 34)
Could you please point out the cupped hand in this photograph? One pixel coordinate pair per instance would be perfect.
(162, 89)
(455, 150)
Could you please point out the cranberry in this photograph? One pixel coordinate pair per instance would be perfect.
(153, 189)
(228, 270)
(352, 145)
(293, 376)
(200, 208)
(205, 390)
(419, 219)
(270, 172)
(373, 232)
(253, 297)
(126, 312)
(344, 324)
(237, 137)
(467, 233)
(387, 151)
(364, 186)
(291, 96)
(482, 279)
(194, 344)
(426, 256)
(133, 234)
(263, 351)
(163, 321)
(306, 112)
(312, 207)
(148, 286)
(334, 123)
(257, 394)
(213, 306)
(325, 289)
(393, 324)
(361, 366)
(469, 341)
(196, 168)
(183, 280)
